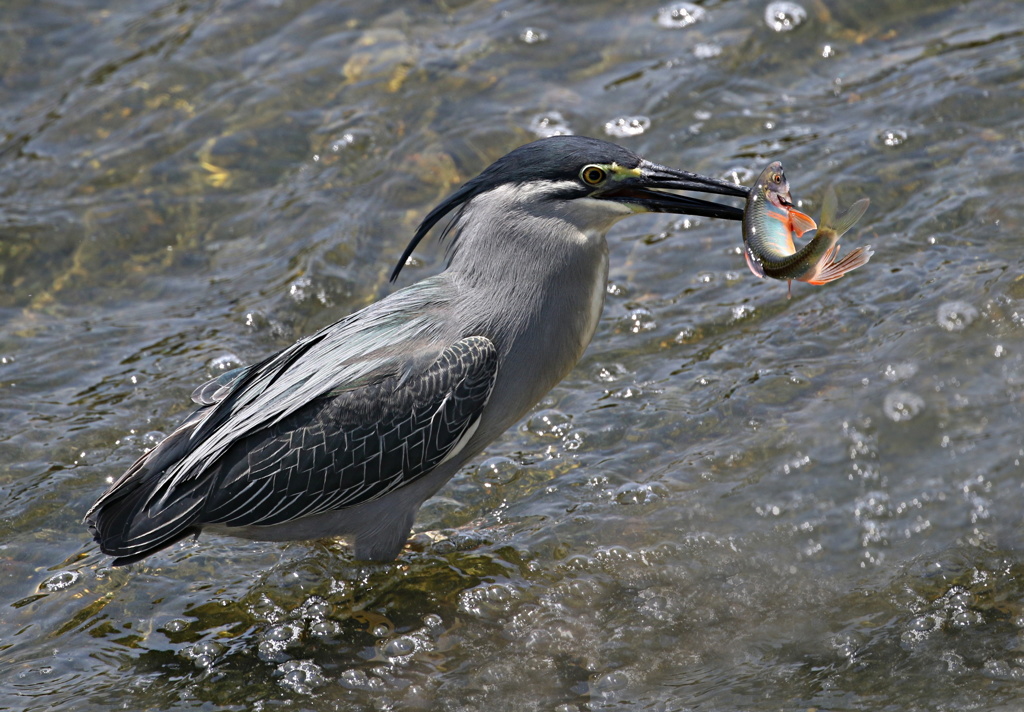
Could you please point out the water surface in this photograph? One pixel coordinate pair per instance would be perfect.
(735, 502)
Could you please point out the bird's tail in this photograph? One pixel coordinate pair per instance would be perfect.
(130, 520)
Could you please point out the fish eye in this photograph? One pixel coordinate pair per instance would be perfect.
(593, 175)
(776, 178)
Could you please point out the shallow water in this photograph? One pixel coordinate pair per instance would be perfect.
(734, 502)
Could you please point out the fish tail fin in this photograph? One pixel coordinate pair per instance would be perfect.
(834, 270)
(838, 222)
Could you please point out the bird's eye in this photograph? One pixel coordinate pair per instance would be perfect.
(593, 175)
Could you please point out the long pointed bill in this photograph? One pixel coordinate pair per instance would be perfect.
(645, 191)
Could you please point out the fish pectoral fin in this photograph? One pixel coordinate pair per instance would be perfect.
(835, 270)
(753, 264)
(801, 222)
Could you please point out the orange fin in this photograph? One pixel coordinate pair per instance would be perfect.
(835, 270)
(801, 223)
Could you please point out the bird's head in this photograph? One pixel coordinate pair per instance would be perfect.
(584, 179)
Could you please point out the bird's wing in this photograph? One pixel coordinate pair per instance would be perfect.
(354, 446)
(394, 337)
(217, 389)
(341, 449)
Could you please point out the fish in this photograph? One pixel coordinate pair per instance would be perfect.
(770, 221)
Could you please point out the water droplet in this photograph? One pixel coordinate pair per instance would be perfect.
(902, 405)
(828, 51)
(61, 580)
(551, 123)
(956, 316)
(784, 16)
(893, 137)
(625, 126)
(531, 35)
(680, 15)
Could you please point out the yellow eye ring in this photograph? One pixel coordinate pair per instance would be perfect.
(593, 175)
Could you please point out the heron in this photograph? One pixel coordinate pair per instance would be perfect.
(348, 431)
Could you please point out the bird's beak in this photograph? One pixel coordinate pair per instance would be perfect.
(643, 190)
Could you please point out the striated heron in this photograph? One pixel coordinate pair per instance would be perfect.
(348, 431)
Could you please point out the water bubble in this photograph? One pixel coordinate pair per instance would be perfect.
(358, 680)
(640, 492)
(638, 320)
(784, 16)
(224, 362)
(549, 423)
(399, 647)
(626, 126)
(611, 681)
(902, 405)
(275, 640)
(347, 139)
(325, 629)
(153, 438)
(740, 175)
(203, 654)
(706, 50)
(741, 312)
(900, 371)
(680, 15)
(177, 625)
(893, 137)
(301, 676)
(611, 373)
(548, 124)
(497, 470)
(315, 608)
(956, 316)
(301, 288)
(489, 600)
(61, 580)
(532, 35)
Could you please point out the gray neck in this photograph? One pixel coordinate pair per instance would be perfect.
(535, 286)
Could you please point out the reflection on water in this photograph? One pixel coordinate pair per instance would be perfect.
(735, 500)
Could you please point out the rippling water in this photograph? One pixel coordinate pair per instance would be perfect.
(734, 502)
